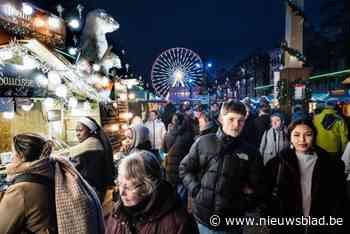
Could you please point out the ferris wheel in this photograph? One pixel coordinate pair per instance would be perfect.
(176, 67)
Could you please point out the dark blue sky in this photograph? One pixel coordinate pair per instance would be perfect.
(223, 31)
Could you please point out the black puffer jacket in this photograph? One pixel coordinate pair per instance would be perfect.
(217, 171)
(177, 144)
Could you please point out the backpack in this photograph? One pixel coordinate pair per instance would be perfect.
(328, 121)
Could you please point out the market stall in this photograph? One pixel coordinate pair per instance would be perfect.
(42, 92)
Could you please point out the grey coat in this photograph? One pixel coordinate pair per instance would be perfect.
(272, 142)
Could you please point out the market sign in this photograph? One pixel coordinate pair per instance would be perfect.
(15, 81)
(32, 22)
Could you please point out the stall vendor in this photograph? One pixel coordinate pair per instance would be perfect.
(93, 156)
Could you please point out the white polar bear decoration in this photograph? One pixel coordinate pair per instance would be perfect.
(94, 43)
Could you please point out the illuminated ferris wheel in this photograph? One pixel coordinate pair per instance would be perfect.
(176, 67)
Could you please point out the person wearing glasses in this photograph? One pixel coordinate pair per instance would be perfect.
(146, 203)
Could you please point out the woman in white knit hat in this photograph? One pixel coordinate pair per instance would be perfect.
(93, 156)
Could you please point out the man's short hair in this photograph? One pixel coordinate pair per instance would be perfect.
(155, 112)
(233, 107)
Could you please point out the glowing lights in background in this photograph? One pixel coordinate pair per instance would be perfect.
(73, 51)
(8, 115)
(125, 126)
(54, 22)
(132, 96)
(104, 81)
(126, 115)
(27, 107)
(27, 9)
(49, 103)
(39, 22)
(6, 54)
(73, 102)
(54, 79)
(41, 80)
(29, 62)
(87, 106)
(96, 67)
(114, 127)
(123, 97)
(61, 91)
(9, 10)
(74, 24)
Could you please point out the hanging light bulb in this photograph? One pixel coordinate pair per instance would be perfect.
(104, 81)
(8, 115)
(115, 127)
(74, 23)
(87, 105)
(72, 51)
(29, 63)
(41, 80)
(132, 96)
(96, 67)
(73, 102)
(54, 78)
(49, 103)
(54, 22)
(123, 97)
(27, 9)
(61, 91)
(27, 107)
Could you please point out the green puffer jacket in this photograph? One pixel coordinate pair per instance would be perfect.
(335, 138)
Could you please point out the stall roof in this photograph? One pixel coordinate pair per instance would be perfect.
(55, 62)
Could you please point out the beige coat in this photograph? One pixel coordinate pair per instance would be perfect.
(26, 207)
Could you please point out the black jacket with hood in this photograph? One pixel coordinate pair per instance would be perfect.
(217, 172)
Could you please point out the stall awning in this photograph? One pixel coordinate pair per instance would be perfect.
(47, 61)
(319, 96)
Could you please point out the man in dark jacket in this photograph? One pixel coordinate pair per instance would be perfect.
(223, 173)
(262, 122)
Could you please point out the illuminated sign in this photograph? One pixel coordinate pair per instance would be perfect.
(32, 22)
(18, 82)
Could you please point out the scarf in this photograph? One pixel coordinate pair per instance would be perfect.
(77, 205)
(78, 208)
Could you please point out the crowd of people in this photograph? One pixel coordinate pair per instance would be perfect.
(182, 167)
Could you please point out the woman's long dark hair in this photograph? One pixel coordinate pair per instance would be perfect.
(31, 146)
(108, 151)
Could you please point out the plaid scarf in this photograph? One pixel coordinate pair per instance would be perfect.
(77, 205)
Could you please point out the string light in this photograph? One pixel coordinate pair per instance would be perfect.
(73, 102)
(8, 115)
(27, 9)
(49, 103)
(61, 91)
(54, 22)
(27, 107)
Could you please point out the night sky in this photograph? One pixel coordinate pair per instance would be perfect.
(222, 31)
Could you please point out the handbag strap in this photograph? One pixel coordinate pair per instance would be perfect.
(278, 178)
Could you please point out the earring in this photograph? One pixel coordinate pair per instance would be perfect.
(291, 146)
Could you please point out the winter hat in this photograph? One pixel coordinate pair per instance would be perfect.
(278, 114)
